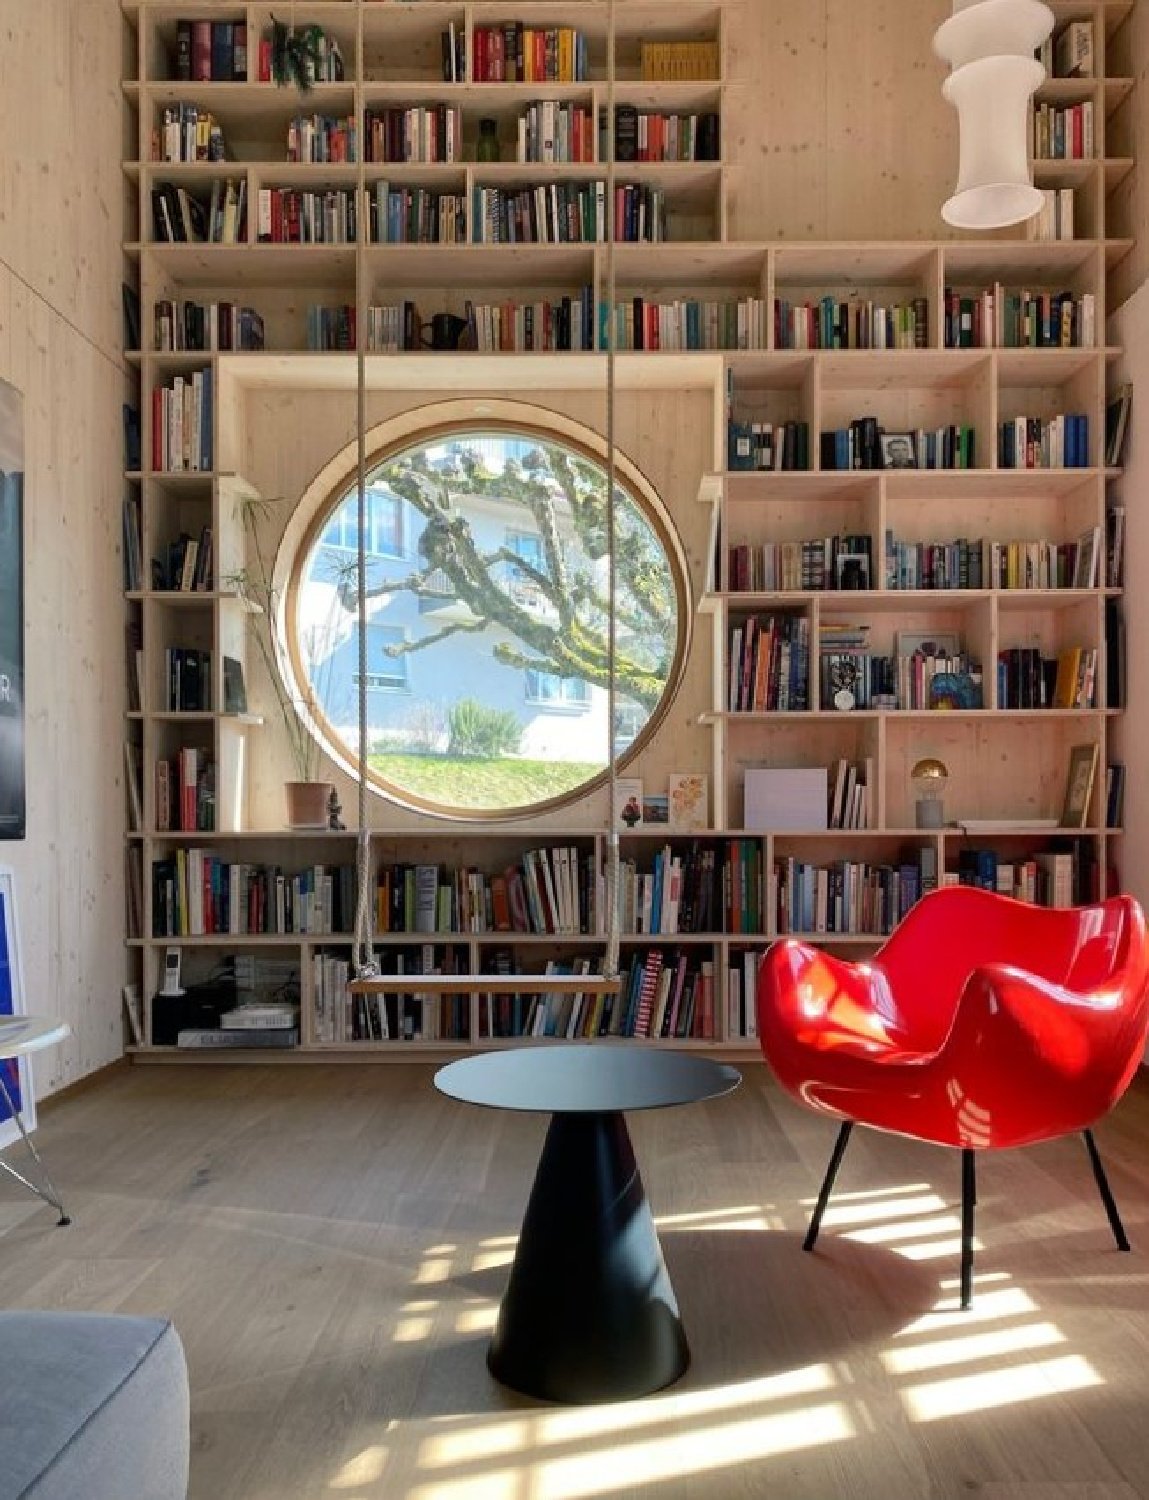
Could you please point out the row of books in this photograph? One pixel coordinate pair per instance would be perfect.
(563, 324)
(767, 445)
(851, 323)
(414, 215)
(179, 216)
(549, 890)
(769, 664)
(567, 213)
(1027, 678)
(211, 51)
(133, 543)
(857, 446)
(196, 893)
(811, 565)
(984, 564)
(417, 133)
(925, 678)
(850, 895)
(1002, 319)
(185, 792)
(300, 216)
(1048, 878)
(514, 53)
(646, 135)
(1063, 132)
(685, 323)
(679, 61)
(187, 132)
(556, 131)
(206, 326)
(185, 563)
(1054, 219)
(187, 680)
(324, 138)
(696, 888)
(339, 1016)
(182, 425)
(1057, 442)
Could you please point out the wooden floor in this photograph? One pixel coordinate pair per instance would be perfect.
(332, 1242)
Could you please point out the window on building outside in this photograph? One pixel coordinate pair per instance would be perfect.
(487, 568)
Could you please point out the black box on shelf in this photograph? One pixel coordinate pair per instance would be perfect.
(199, 1007)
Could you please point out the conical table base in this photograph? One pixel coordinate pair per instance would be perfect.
(589, 1313)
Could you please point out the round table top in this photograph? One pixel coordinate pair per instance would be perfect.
(20, 1034)
(585, 1078)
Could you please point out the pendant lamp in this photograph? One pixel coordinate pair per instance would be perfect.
(990, 45)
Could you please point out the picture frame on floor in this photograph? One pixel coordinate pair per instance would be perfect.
(17, 1074)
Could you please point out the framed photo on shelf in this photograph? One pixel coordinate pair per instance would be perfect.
(1079, 786)
(897, 449)
(688, 801)
(656, 808)
(17, 1074)
(927, 643)
(627, 801)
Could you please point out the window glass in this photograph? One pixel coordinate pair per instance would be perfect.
(487, 609)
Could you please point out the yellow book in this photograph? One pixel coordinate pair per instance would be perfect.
(1065, 685)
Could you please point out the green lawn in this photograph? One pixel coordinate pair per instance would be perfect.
(483, 783)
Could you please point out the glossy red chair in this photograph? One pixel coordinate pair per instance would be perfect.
(981, 1023)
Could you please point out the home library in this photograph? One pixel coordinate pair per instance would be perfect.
(909, 443)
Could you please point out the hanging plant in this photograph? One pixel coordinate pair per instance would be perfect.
(295, 55)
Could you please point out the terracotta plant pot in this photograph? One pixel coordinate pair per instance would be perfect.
(307, 803)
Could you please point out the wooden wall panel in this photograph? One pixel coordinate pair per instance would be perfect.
(62, 190)
(838, 125)
(1128, 55)
(60, 270)
(668, 436)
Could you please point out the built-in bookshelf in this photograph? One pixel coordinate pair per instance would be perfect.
(907, 448)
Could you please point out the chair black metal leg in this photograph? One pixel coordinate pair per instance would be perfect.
(968, 1199)
(828, 1184)
(1106, 1195)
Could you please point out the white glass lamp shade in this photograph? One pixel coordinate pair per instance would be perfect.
(991, 97)
(992, 28)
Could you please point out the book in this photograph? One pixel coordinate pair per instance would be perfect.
(688, 812)
(197, 1038)
(627, 801)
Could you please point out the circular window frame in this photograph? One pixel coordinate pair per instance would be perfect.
(421, 425)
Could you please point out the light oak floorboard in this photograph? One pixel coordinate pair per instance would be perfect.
(332, 1244)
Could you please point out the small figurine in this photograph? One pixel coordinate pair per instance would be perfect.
(334, 822)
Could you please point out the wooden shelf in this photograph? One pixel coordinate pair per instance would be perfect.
(392, 57)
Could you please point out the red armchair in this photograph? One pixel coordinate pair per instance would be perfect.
(981, 1023)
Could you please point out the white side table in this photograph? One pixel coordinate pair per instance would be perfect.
(20, 1035)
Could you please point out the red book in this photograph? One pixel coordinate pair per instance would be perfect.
(201, 51)
(651, 969)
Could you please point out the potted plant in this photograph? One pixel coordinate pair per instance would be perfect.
(309, 795)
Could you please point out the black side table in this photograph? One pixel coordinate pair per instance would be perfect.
(589, 1313)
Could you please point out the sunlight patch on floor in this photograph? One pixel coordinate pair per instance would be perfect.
(999, 1344)
(365, 1468)
(963, 1394)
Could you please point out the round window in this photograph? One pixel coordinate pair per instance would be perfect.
(487, 612)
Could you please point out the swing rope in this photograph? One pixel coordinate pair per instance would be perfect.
(367, 977)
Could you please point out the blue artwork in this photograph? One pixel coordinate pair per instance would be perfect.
(11, 1066)
(12, 794)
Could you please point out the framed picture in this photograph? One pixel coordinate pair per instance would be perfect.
(688, 801)
(1079, 785)
(627, 801)
(17, 1074)
(656, 808)
(927, 643)
(12, 813)
(897, 450)
(852, 570)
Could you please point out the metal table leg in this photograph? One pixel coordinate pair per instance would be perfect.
(48, 1192)
(589, 1313)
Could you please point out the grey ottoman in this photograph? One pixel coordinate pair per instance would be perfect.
(92, 1408)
